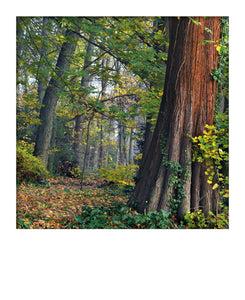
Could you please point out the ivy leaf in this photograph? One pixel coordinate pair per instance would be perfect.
(204, 42)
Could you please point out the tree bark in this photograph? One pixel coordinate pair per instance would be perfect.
(131, 147)
(101, 147)
(43, 75)
(77, 142)
(187, 105)
(79, 119)
(86, 149)
(50, 99)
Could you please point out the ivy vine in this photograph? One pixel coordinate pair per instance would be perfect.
(177, 179)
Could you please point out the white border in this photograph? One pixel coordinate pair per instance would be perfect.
(125, 264)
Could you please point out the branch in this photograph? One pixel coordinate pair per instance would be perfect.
(100, 46)
(126, 95)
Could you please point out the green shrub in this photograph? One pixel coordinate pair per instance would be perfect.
(120, 216)
(212, 148)
(127, 189)
(123, 175)
(199, 221)
(29, 167)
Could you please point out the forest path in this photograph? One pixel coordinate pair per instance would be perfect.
(59, 200)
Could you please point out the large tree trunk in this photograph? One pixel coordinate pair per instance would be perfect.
(187, 105)
(50, 99)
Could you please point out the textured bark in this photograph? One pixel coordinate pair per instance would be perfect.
(187, 105)
(147, 139)
(50, 99)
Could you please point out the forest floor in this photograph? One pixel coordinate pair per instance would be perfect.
(56, 203)
(59, 203)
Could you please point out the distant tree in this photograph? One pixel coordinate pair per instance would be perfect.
(80, 118)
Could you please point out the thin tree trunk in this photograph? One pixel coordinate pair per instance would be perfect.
(121, 144)
(77, 142)
(101, 147)
(50, 165)
(86, 150)
(96, 157)
(79, 119)
(131, 147)
(108, 145)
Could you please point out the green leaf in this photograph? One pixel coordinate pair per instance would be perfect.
(204, 42)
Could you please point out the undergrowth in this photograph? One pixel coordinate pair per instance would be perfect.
(60, 204)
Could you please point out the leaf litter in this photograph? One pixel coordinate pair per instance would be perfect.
(56, 203)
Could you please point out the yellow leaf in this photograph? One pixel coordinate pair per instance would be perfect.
(215, 186)
(218, 48)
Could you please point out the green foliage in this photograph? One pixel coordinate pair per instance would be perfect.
(23, 223)
(120, 216)
(122, 175)
(195, 21)
(212, 148)
(29, 167)
(128, 189)
(137, 43)
(177, 179)
(61, 154)
(76, 172)
(221, 74)
(150, 102)
(199, 221)
(61, 205)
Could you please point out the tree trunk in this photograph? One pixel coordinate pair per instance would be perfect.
(168, 177)
(77, 142)
(108, 146)
(122, 156)
(80, 118)
(42, 73)
(96, 157)
(50, 99)
(86, 149)
(101, 147)
(131, 147)
(51, 158)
